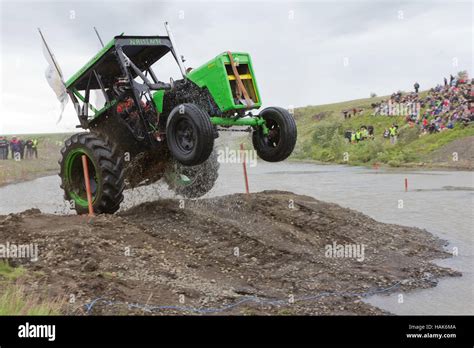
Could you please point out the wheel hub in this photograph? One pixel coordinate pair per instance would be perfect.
(185, 135)
(273, 137)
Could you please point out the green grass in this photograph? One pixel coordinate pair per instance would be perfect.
(14, 300)
(427, 144)
(10, 273)
(321, 136)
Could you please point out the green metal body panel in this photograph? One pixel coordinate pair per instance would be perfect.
(254, 121)
(213, 75)
(158, 99)
(89, 64)
(244, 121)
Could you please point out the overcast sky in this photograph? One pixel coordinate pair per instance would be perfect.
(304, 53)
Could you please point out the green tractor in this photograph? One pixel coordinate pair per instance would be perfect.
(142, 129)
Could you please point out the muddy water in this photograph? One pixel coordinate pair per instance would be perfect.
(439, 201)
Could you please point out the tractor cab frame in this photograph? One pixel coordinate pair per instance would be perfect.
(128, 57)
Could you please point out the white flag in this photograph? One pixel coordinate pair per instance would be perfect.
(99, 98)
(55, 81)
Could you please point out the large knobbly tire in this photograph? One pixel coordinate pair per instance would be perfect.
(279, 143)
(201, 177)
(189, 134)
(105, 173)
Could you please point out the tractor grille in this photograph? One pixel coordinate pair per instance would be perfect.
(247, 80)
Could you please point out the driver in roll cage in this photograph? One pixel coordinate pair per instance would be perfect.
(128, 111)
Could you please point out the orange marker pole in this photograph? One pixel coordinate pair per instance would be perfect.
(406, 184)
(245, 169)
(85, 166)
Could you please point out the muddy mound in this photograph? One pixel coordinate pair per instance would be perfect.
(459, 153)
(266, 253)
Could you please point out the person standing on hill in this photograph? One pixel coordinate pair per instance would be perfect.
(353, 137)
(417, 87)
(15, 148)
(393, 134)
(358, 135)
(370, 130)
(3, 148)
(35, 147)
(29, 148)
(22, 148)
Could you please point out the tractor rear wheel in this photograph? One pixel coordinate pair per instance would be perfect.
(280, 141)
(195, 181)
(189, 134)
(105, 173)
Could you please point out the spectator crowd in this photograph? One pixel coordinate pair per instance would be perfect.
(18, 148)
(363, 133)
(439, 110)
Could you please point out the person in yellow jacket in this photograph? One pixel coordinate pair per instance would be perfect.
(364, 132)
(34, 147)
(358, 135)
(353, 137)
(393, 134)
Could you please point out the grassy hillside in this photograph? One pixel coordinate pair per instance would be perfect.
(321, 136)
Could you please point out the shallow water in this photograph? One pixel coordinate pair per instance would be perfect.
(440, 201)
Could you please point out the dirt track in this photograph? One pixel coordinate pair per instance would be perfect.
(191, 251)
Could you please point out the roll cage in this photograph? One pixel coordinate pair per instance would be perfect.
(124, 58)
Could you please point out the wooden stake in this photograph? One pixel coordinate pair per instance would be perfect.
(245, 169)
(85, 166)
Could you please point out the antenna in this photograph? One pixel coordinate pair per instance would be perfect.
(51, 55)
(101, 42)
(179, 58)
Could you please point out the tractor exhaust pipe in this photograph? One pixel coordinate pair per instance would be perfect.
(179, 58)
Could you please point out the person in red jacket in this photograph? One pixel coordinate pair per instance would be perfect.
(15, 147)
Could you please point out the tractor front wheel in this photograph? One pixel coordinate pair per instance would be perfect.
(189, 134)
(278, 143)
(105, 173)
